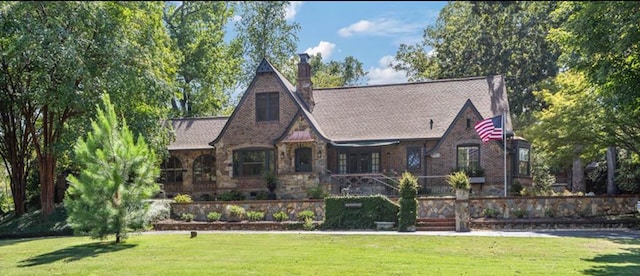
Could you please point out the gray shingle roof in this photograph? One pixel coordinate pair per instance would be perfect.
(196, 133)
(404, 111)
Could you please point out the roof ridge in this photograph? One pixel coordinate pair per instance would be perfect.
(200, 118)
(409, 83)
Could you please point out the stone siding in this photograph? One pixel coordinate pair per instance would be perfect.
(563, 206)
(187, 158)
(436, 208)
(269, 207)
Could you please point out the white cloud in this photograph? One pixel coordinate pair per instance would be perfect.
(292, 10)
(385, 74)
(325, 48)
(236, 18)
(379, 27)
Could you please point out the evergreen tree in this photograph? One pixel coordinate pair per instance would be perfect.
(117, 174)
(408, 204)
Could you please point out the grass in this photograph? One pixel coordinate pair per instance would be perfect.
(308, 254)
(33, 224)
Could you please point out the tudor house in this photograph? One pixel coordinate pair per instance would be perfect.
(355, 140)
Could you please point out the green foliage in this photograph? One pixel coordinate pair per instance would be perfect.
(34, 224)
(262, 195)
(317, 192)
(308, 224)
(542, 179)
(255, 215)
(490, 213)
(408, 185)
(470, 171)
(187, 217)
(550, 212)
(234, 212)
(459, 180)
(335, 73)
(488, 38)
(117, 175)
(158, 210)
(344, 213)
(264, 32)
(271, 181)
(628, 174)
(209, 66)
(408, 213)
(214, 216)
(306, 214)
(280, 216)
(182, 198)
(519, 213)
(233, 195)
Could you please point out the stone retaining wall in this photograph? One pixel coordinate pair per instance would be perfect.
(555, 206)
(269, 207)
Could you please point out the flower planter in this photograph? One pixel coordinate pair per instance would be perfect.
(462, 194)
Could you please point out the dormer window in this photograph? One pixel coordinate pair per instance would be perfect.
(267, 107)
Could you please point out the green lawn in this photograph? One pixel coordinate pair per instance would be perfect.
(303, 254)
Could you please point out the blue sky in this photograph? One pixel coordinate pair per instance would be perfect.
(369, 31)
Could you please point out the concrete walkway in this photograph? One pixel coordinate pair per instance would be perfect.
(582, 233)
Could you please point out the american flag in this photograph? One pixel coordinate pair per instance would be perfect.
(490, 129)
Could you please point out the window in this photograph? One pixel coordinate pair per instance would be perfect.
(469, 156)
(172, 170)
(375, 162)
(253, 162)
(414, 162)
(204, 168)
(342, 163)
(523, 161)
(267, 106)
(303, 160)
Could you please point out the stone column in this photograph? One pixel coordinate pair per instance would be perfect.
(462, 213)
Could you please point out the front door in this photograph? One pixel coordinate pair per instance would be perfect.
(359, 162)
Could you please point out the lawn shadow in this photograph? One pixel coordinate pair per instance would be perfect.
(75, 253)
(624, 263)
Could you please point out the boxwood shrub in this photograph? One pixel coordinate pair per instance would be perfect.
(358, 212)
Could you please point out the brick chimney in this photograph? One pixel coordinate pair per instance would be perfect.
(305, 86)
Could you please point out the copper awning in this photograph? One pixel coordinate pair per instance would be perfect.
(298, 137)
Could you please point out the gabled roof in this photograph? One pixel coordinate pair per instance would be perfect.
(196, 133)
(404, 111)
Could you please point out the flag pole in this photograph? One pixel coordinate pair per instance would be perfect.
(504, 142)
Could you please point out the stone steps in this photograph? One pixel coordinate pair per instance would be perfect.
(433, 224)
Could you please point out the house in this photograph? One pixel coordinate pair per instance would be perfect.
(349, 139)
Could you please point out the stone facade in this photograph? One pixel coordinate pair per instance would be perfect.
(187, 158)
(269, 207)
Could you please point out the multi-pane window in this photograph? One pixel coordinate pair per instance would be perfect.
(414, 162)
(523, 161)
(172, 170)
(303, 160)
(469, 157)
(253, 162)
(267, 106)
(342, 163)
(204, 168)
(375, 162)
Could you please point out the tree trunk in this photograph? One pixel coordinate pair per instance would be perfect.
(577, 176)
(18, 184)
(47, 183)
(611, 169)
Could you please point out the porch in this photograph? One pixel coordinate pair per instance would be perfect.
(378, 183)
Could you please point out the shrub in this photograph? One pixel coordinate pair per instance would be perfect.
(339, 214)
(187, 217)
(317, 192)
(308, 224)
(280, 216)
(271, 181)
(519, 213)
(234, 212)
(214, 216)
(490, 213)
(550, 212)
(408, 204)
(459, 180)
(304, 215)
(255, 215)
(232, 195)
(158, 210)
(179, 198)
(262, 195)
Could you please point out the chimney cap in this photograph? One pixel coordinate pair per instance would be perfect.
(304, 57)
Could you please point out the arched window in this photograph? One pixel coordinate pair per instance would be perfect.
(204, 168)
(303, 160)
(172, 170)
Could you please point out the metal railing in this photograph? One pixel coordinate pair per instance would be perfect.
(377, 183)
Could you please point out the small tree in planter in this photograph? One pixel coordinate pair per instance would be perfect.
(408, 204)
(271, 183)
(460, 182)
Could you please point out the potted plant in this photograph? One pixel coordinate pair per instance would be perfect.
(271, 183)
(459, 181)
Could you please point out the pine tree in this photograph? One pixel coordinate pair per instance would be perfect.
(117, 175)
